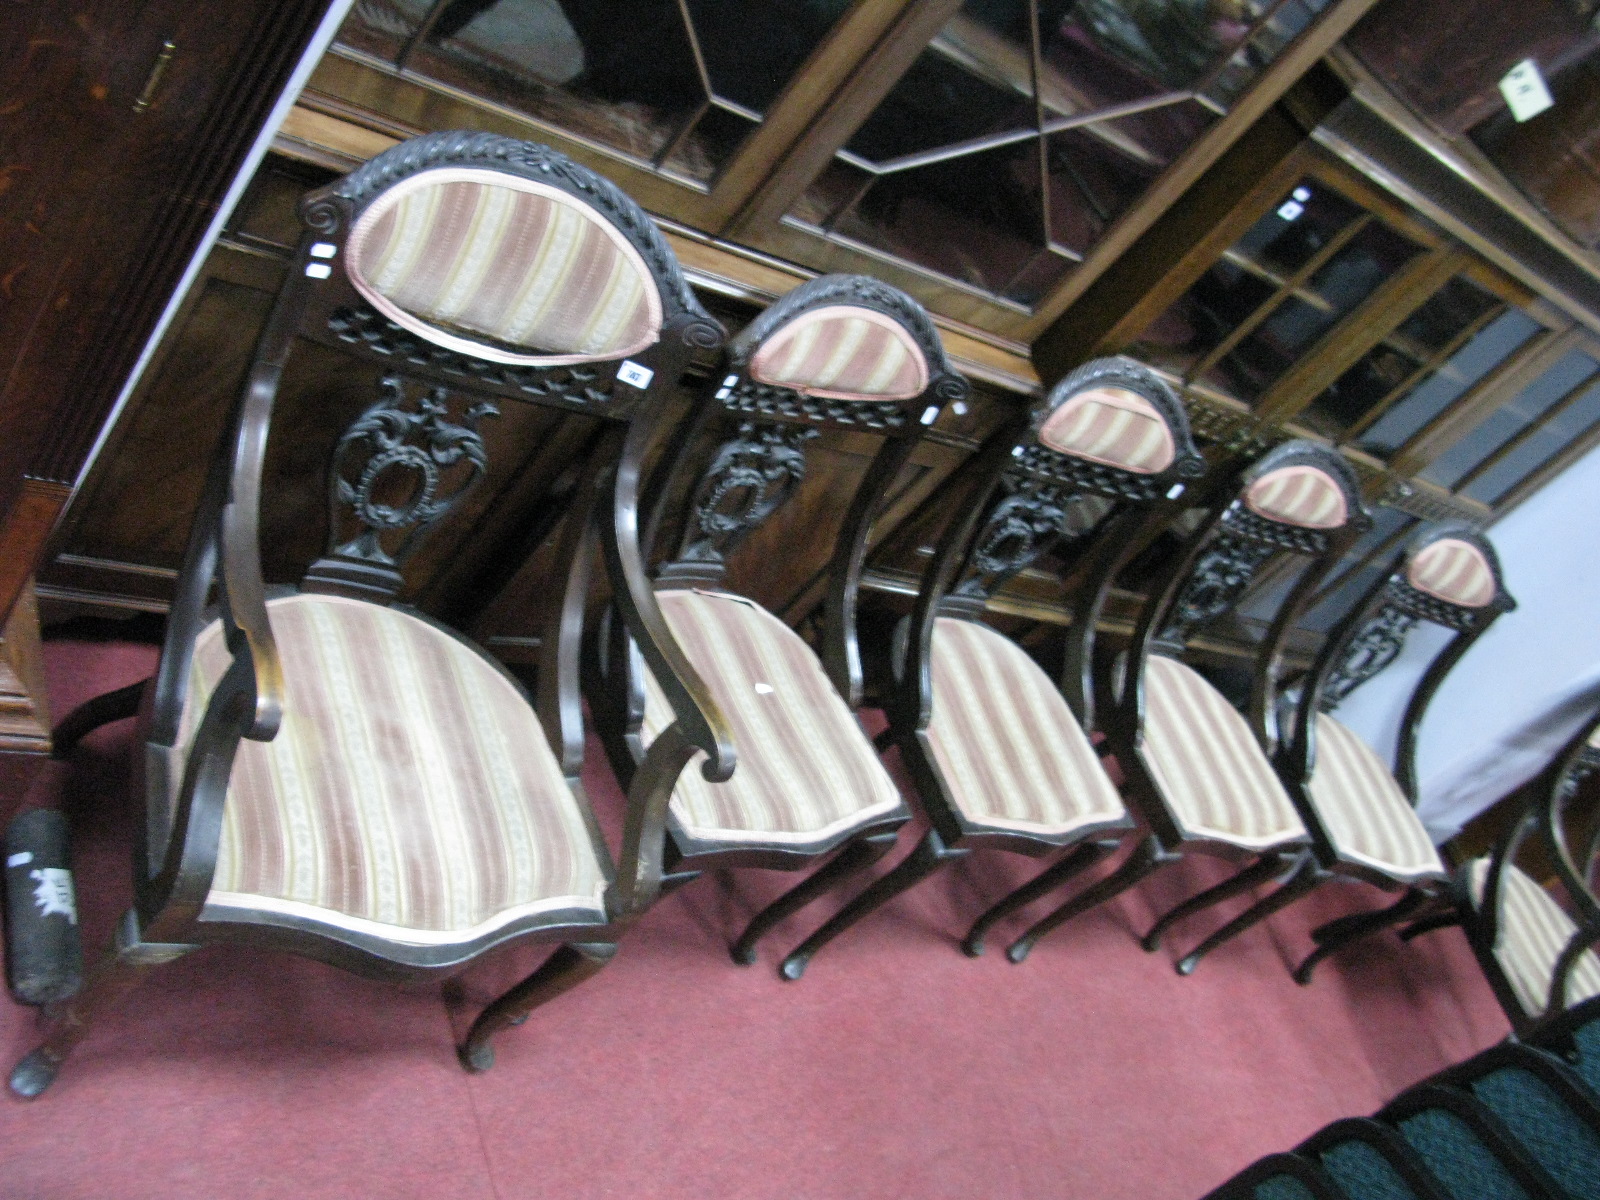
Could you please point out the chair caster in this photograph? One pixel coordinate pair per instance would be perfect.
(1018, 951)
(1187, 964)
(34, 1073)
(476, 1058)
(1151, 942)
(793, 967)
(742, 955)
(972, 946)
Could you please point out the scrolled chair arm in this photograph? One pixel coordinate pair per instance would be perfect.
(698, 717)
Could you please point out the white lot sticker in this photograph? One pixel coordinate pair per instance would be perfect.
(632, 373)
(20, 859)
(318, 270)
(1525, 91)
(54, 893)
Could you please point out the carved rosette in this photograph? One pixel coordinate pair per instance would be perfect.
(749, 478)
(1378, 644)
(396, 471)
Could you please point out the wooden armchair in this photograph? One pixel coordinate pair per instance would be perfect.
(1198, 773)
(844, 353)
(1360, 811)
(326, 770)
(998, 750)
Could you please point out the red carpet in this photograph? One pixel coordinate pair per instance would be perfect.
(896, 1068)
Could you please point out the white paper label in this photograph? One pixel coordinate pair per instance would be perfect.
(20, 859)
(930, 414)
(1525, 91)
(1175, 491)
(318, 270)
(324, 250)
(634, 375)
(53, 893)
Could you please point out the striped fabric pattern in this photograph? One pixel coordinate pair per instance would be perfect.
(1211, 771)
(462, 254)
(1533, 933)
(1299, 495)
(1453, 571)
(1363, 810)
(409, 794)
(1007, 744)
(845, 353)
(1114, 426)
(806, 770)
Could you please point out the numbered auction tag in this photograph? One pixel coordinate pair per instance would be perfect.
(634, 375)
(1525, 91)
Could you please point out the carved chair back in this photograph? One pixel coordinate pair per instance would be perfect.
(1448, 575)
(1298, 499)
(841, 352)
(472, 270)
(1106, 443)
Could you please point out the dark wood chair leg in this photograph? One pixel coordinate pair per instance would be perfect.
(1296, 886)
(1257, 872)
(117, 972)
(856, 856)
(90, 715)
(1069, 867)
(1141, 861)
(1335, 935)
(926, 857)
(564, 970)
(1428, 924)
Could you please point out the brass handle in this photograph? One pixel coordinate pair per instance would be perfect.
(158, 72)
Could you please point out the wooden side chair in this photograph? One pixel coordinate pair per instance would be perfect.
(1535, 940)
(998, 750)
(328, 771)
(842, 352)
(1198, 773)
(1361, 811)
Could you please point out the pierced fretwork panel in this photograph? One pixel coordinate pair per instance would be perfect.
(396, 471)
(1378, 644)
(1219, 578)
(748, 480)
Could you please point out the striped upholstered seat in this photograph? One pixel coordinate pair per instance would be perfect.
(410, 793)
(1533, 933)
(1211, 771)
(1111, 425)
(503, 268)
(807, 773)
(1012, 754)
(1364, 812)
(844, 352)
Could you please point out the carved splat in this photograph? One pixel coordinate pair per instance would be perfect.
(396, 471)
(1372, 649)
(1219, 578)
(1030, 516)
(749, 478)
